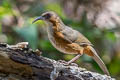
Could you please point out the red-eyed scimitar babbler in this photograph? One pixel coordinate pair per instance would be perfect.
(67, 40)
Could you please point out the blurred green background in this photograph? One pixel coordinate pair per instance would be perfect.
(16, 18)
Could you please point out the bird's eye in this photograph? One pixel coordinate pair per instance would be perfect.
(47, 16)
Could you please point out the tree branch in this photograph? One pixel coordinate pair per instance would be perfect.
(18, 62)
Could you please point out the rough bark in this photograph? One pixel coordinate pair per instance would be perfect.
(18, 62)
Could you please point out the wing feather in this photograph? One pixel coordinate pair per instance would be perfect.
(74, 36)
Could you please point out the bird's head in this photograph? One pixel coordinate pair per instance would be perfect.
(49, 16)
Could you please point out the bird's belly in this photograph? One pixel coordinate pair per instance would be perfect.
(62, 45)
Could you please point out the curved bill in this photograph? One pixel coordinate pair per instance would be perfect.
(39, 18)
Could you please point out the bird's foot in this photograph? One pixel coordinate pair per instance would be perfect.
(63, 62)
(67, 63)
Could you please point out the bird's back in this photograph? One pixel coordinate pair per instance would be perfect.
(76, 36)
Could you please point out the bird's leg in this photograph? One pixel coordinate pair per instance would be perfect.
(80, 52)
(74, 59)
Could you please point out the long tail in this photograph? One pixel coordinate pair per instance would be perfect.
(95, 56)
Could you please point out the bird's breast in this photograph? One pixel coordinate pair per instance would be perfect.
(61, 44)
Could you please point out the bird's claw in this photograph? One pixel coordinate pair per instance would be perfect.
(63, 62)
(67, 63)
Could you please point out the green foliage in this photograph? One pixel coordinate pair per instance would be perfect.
(5, 8)
(110, 36)
(55, 7)
(114, 67)
(46, 45)
(0, 28)
(29, 33)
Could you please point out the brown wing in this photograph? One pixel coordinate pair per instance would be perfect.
(82, 40)
(74, 36)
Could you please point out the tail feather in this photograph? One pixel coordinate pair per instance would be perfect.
(98, 60)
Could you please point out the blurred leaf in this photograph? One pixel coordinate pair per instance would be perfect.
(5, 8)
(55, 7)
(95, 66)
(0, 28)
(85, 23)
(114, 67)
(36, 9)
(29, 34)
(46, 45)
(68, 57)
(11, 40)
(86, 58)
(6, 4)
(3, 38)
(111, 36)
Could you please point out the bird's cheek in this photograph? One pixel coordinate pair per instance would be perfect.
(52, 21)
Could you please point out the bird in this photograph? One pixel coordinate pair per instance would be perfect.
(68, 40)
